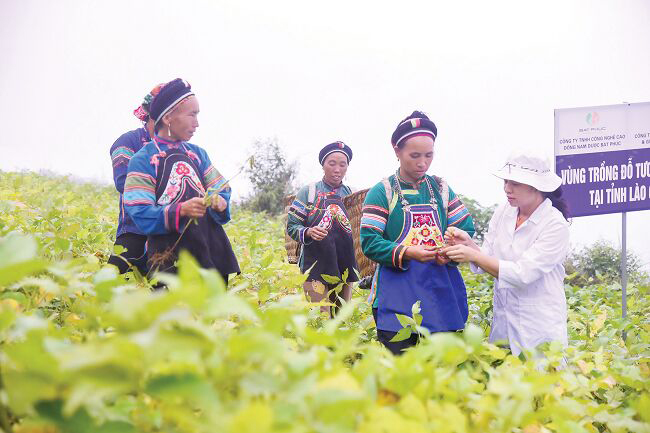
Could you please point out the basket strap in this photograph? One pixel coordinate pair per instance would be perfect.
(443, 187)
(388, 189)
(311, 196)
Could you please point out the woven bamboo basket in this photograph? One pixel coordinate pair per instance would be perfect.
(353, 205)
(292, 247)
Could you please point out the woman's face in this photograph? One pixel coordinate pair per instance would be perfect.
(183, 120)
(519, 194)
(415, 157)
(335, 166)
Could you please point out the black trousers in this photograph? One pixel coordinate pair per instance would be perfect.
(136, 253)
(396, 347)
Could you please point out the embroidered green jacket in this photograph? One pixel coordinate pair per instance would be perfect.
(382, 222)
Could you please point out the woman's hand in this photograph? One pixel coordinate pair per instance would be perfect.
(218, 203)
(193, 208)
(442, 258)
(420, 253)
(456, 236)
(316, 233)
(460, 253)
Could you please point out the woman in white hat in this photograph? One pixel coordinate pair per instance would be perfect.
(524, 248)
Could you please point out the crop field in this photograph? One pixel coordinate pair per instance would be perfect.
(84, 349)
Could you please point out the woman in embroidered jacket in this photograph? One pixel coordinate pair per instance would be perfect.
(128, 235)
(318, 220)
(166, 184)
(402, 225)
(524, 248)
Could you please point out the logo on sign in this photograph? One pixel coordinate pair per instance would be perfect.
(593, 118)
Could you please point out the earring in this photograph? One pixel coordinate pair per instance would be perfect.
(169, 131)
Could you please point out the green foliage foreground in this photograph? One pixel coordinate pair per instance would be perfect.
(86, 350)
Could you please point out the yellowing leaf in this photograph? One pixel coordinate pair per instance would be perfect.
(386, 397)
(257, 417)
(598, 323)
(341, 381)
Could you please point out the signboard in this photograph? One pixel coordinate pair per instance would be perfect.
(602, 155)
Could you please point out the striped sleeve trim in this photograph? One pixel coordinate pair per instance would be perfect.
(298, 210)
(138, 201)
(139, 189)
(398, 256)
(166, 216)
(121, 155)
(134, 176)
(457, 212)
(298, 205)
(300, 217)
(374, 217)
(172, 216)
(214, 179)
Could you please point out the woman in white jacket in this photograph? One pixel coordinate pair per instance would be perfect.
(524, 248)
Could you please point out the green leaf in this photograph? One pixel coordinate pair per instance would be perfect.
(344, 277)
(402, 335)
(405, 320)
(62, 243)
(16, 248)
(415, 309)
(331, 279)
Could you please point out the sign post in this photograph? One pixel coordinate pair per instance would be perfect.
(602, 155)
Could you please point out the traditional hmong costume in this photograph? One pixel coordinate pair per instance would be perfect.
(121, 153)
(414, 216)
(161, 176)
(128, 235)
(320, 204)
(333, 255)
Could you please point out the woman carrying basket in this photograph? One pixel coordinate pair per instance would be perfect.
(402, 225)
(319, 222)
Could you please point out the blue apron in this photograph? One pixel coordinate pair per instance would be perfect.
(439, 288)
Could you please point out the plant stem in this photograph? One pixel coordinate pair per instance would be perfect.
(5, 424)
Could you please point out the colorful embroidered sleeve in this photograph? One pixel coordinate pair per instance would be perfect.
(458, 215)
(121, 153)
(373, 226)
(140, 198)
(214, 182)
(297, 217)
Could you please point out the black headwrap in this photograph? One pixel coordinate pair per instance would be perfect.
(169, 96)
(337, 146)
(416, 124)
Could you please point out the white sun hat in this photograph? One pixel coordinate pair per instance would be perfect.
(530, 170)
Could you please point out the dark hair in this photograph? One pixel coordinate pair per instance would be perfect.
(558, 201)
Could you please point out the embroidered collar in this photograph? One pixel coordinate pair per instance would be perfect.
(414, 185)
(169, 143)
(157, 141)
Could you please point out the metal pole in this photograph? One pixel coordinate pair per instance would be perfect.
(624, 269)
